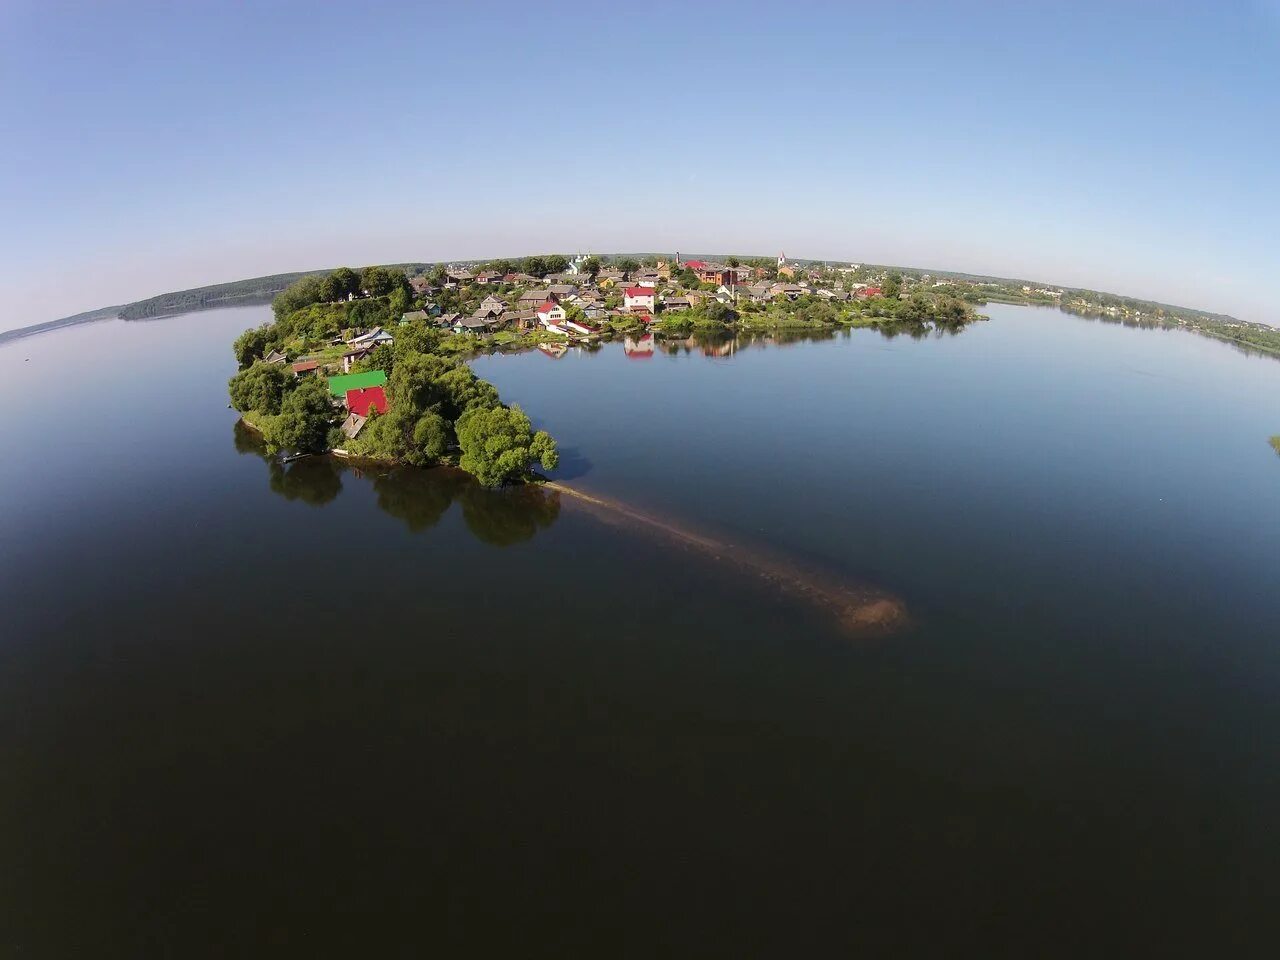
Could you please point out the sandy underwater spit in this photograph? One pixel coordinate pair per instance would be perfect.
(859, 609)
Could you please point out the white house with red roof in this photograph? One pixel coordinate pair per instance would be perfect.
(639, 299)
(550, 313)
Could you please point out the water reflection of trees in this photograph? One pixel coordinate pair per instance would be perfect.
(311, 480)
(417, 498)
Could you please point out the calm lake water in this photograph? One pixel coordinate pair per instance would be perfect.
(312, 711)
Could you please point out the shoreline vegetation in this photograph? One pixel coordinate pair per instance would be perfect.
(975, 289)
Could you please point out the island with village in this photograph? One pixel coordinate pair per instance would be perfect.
(372, 364)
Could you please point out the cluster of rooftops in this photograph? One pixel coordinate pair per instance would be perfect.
(574, 304)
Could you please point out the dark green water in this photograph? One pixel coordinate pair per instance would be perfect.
(247, 710)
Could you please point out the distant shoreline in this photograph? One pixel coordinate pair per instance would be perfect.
(256, 291)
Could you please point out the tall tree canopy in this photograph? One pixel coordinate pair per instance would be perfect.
(498, 444)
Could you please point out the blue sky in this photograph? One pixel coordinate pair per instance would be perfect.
(1129, 147)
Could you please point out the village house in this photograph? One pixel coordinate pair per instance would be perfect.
(493, 303)
(474, 324)
(353, 357)
(488, 276)
(532, 299)
(672, 304)
(522, 320)
(374, 338)
(717, 273)
(352, 426)
(413, 315)
(551, 315)
(338, 386)
(421, 286)
(459, 277)
(488, 317)
(637, 299)
(275, 356)
(303, 367)
(361, 400)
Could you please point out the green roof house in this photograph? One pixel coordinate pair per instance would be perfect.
(339, 386)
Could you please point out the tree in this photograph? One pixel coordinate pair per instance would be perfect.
(261, 388)
(381, 281)
(628, 265)
(534, 266)
(299, 294)
(345, 282)
(733, 262)
(721, 313)
(892, 286)
(367, 313)
(306, 414)
(498, 444)
(556, 263)
(251, 345)
(591, 266)
(399, 303)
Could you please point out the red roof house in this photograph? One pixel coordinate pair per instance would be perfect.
(362, 400)
(695, 264)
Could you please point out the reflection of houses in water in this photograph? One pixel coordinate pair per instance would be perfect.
(723, 348)
(638, 348)
(553, 350)
(710, 348)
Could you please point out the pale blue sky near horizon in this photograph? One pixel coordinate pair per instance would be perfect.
(1128, 147)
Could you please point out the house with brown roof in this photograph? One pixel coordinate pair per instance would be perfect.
(519, 319)
(532, 299)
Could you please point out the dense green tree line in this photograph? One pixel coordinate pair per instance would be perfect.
(439, 410)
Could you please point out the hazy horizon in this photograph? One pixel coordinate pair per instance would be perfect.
(155, 149)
